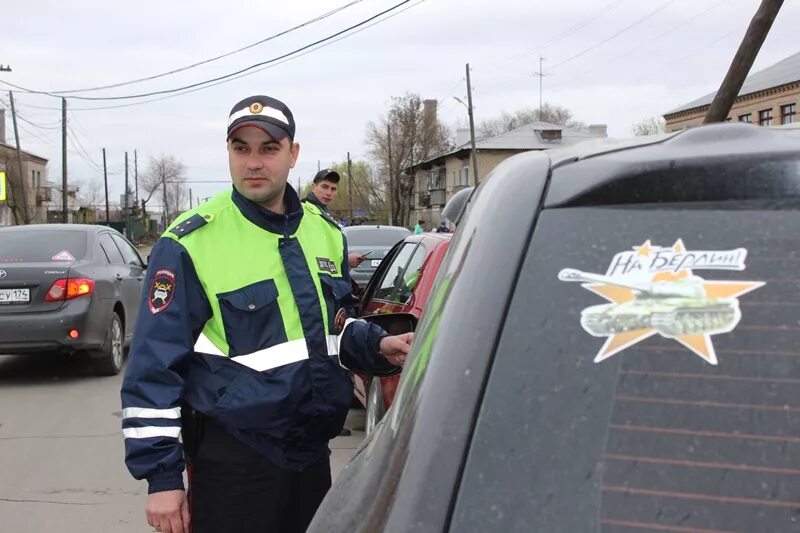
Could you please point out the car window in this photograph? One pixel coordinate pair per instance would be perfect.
(128, 253)
(393, 275)
(34, 246)
(357, 236)
(400, 278)
(647, 375)
(112, 252)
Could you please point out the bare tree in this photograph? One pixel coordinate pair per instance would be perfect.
(91, 194)
(510, 121)
(165, 176)
(415, 135)
(649, 126)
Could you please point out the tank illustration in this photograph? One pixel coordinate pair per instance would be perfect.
(672, 308)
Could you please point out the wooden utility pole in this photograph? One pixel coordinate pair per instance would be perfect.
(127, 209)
(19, 195)
(754, 37)
(136, 176)
(472, 130)
(105, 181)
(350, 187)
(190, 199)
(391, 177)
(541, 75)
(64, 203)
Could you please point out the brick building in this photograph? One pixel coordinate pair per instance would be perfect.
(767, 98)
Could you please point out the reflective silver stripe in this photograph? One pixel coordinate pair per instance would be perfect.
(151, 431)
(333, 344)
(205, 345)
(347, 324)
(272, 357)
(266, 111)
(142, 412)
(275, 356)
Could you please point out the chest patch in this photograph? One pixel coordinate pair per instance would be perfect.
(161, 291)
(327, 265)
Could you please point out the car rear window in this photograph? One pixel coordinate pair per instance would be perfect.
(664, 397)
(37, 246)
(375, 236)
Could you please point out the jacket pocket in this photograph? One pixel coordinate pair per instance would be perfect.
(252, 317)
(337, 295)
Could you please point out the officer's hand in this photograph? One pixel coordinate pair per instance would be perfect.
(168, 511)
(395, 348)
(354, 259)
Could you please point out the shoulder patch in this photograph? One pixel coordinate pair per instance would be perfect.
(189, 225)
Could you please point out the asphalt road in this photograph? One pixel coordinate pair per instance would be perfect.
(61, 450)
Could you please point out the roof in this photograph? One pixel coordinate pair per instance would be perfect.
(524, 138)
(4, 145)
(781, 73)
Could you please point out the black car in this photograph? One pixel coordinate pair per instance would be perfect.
(612, 345)
(69, 288)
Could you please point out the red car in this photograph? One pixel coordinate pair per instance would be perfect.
(401, 284)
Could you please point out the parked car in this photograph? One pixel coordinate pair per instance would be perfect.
(375, 240)
(611, 345)
(401, 284)
(69, 288)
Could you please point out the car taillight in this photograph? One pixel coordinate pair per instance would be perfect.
(67, 289)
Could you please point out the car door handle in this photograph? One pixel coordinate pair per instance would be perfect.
(119, 278)
(139, 278)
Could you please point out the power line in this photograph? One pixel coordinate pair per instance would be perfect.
(210, 60)
(271, 65)
(566, 33)
(615, 35)
(218, 78)
(635, 49)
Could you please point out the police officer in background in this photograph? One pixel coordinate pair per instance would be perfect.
(323, 191)
(240, 341)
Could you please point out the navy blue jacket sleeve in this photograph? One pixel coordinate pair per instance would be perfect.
(359, 349)
(173, 312)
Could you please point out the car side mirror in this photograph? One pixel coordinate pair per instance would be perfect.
(394, 323)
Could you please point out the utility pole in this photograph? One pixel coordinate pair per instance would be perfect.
(190, 199)
(743, 60)
(127, 210)
(350, 187)
(64, 159)
(136, 176)
(24, 212)
(472, 129)
(318, 167)
(391, 178)
(541, 75)
(105, 181)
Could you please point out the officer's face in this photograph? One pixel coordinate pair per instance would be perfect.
(260, 165)
(325, 191)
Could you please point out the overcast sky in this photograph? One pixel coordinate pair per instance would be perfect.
(609, 61)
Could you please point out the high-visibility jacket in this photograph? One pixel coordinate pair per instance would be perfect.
(238, 322)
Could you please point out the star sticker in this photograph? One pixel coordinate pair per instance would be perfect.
(645, 249)
(715, 303)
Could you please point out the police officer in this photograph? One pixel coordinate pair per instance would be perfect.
(324, 187)
(238, 342)
(323, 191)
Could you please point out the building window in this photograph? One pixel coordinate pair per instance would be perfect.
(746, 118)
(464, 176)
(788, 113)
(765, 117)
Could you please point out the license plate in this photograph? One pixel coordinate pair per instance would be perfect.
(375, 263)
(15, 296)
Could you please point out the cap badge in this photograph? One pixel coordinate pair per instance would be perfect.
(256, 108)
